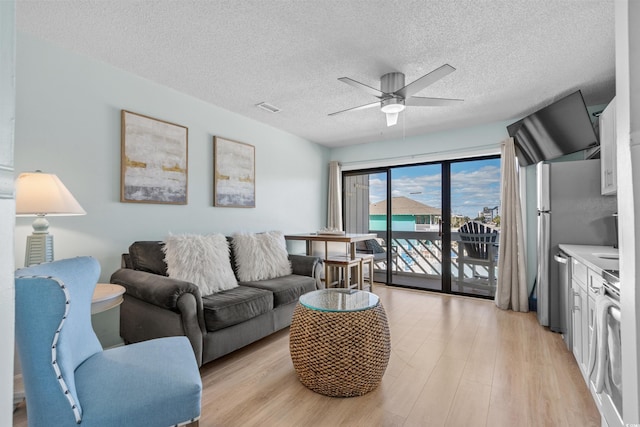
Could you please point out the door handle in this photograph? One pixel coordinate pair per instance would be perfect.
(594, 289)
(577, 306)
(440, 227)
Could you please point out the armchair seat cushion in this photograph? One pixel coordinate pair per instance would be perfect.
(114, 384)
(233, 306)
(285, 289)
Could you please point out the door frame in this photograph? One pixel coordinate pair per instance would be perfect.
(446, 233)
(7, 205)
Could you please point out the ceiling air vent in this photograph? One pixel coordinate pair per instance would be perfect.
(268, 107)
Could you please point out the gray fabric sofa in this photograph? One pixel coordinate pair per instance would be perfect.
(158, 306)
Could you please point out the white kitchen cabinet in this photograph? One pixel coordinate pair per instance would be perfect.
(576, 322)
(586, 283)
(608, 177)
(590, 328)
(579, 314)
(596, 287)
(587, 265)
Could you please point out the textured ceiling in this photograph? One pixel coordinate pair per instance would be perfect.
(512, 57)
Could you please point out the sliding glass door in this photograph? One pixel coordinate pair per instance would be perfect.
(475, 225)
(417, 213)
(416, 226)
(365, 211)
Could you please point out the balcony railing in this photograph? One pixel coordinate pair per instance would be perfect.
(418, 256)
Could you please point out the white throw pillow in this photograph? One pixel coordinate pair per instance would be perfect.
(200, 259)
(261, 256)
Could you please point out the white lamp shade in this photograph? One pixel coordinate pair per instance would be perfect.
(40, 193)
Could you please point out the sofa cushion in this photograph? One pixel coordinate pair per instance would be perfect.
(260, 256)
(148, 256)
(286, 289)
(228, 308)
(200, 259)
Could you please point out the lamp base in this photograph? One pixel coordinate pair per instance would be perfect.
(39, 249)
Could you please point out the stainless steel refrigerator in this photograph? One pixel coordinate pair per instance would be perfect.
(570, 211)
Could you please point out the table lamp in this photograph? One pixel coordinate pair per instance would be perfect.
(40, 194)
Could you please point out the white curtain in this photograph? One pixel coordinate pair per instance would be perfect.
(511, 292)
(334, 201)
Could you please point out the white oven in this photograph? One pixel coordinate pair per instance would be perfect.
(605, 379)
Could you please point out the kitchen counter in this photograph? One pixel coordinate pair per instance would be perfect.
(588, 286)
(597, 258)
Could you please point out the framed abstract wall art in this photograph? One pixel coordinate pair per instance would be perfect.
(154, 157)
(233, 174)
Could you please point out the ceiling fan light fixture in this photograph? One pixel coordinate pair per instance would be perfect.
(392, 119)
(392, 105)
(393, 93)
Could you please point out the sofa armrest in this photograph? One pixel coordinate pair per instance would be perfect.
(304, 265)
(155, 289)
(166, 293)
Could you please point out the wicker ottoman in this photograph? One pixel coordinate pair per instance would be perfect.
(339, 342)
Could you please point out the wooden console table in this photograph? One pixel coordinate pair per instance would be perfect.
(349, 238)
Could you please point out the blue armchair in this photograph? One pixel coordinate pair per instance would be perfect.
(70, 380)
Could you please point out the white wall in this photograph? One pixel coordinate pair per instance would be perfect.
(7, 206)
(68, 123)
(457, 143)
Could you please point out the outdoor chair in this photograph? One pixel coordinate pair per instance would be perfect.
(477, 250)
(375, 247)
(70, 380)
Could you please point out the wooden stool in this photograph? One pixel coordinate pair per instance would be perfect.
(366, 260)
(343, 263)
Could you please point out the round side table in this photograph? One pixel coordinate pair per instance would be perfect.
(106, 296)
(339, 342)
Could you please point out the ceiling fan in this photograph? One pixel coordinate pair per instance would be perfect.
(394, 95)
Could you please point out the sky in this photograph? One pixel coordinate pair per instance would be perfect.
(474, 185)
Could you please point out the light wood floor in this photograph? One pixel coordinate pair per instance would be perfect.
(455, 361)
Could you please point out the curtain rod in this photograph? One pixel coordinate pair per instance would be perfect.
(487, 149)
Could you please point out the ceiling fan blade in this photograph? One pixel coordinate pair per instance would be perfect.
(392, 118)
(424, 81)
(373, 91)
(417, 101)
(362, 107)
